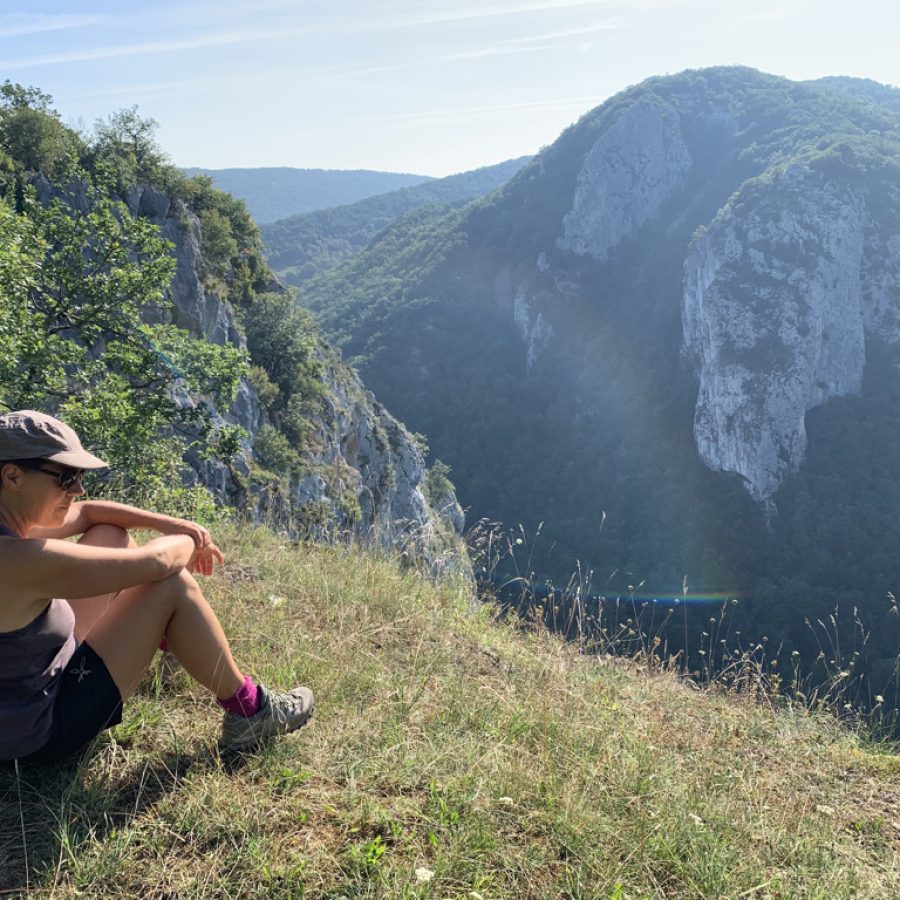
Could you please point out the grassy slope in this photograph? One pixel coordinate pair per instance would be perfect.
(506, 764)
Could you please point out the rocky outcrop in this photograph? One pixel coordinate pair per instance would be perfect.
(194, 308)
(365, 478)
(536, 332)
(522, 300)
(635, 165)
(775, 315)
(881, 272)
(363, 474)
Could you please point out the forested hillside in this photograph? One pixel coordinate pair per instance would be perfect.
(673, 340)
(135, 303)
(278, 192)
(300, 246)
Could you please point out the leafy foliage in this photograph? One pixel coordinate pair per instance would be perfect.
(125, 150)
(230, 239)
(283, 340)
(31, 133)
(75, 276)
(77, 272)
(437, 482)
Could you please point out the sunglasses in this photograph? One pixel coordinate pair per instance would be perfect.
(66, 478)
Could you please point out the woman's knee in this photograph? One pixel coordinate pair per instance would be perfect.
(180, 587)
(107, 536)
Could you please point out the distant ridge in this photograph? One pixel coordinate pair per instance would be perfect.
(883, 95)
(300, 246)
(275, 193)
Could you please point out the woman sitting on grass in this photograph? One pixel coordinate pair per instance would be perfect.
(66, 665)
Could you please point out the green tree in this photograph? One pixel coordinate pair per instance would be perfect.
(74, 279)
(16, 96)
(284, 340)
(37, 140)
(31, 133)
(125, 148)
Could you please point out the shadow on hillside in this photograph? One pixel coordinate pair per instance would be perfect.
(47, 813)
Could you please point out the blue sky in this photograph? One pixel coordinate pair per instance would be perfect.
(432, 87)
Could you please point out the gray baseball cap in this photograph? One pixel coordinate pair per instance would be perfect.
(26, 434)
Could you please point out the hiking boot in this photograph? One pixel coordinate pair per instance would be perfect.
(278, 713)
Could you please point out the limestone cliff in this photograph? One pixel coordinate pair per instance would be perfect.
(637, 164)
(778, 303)
(782, 286)
(364, 477)
(363, 474)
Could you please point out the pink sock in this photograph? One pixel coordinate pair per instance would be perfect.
(245, 701)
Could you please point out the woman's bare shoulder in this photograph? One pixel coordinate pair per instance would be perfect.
(18, 604)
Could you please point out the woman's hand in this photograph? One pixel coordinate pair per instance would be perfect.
(200, 536)
(204, 559)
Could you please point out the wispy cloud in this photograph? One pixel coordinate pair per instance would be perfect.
(608, 25)
(774, 14)
(19, 24)
(150, 47)
(529, 44)
(486, 11)
(479, 53)
(575, 104)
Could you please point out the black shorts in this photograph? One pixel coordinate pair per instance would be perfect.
(88, 702)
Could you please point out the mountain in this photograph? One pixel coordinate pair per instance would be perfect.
(136, 305)
(353, 469)
(673, 339)
(300, 246)
(278, 192)
(863, 89)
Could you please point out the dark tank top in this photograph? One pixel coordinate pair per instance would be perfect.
(31, 662)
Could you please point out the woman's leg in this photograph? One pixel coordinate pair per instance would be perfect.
(127, 635)
(89, 609)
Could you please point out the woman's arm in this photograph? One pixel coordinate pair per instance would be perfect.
(86, 513)
(54, 568)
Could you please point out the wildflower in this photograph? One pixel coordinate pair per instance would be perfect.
(423, 875)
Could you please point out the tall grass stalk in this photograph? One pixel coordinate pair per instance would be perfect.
(641, 630)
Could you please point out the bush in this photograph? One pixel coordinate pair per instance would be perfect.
(275, 451)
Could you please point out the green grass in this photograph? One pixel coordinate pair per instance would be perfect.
(451, 755)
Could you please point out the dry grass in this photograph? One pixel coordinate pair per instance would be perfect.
(496, 763)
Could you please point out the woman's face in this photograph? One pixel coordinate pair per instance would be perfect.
(45, 500)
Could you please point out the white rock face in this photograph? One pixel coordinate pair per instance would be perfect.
(194, 308)
(637, 164)
(775, 317)
(881, 278)
(535, 330)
